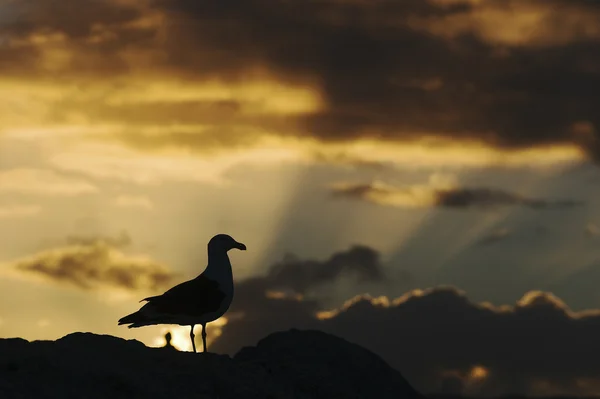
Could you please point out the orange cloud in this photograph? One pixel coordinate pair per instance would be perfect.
(93, 264)
(169, 75)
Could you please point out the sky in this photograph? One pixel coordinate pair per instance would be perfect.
(419, 176)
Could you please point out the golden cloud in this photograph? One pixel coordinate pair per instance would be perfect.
(134, 201)
(113, 161)
(169, 74)
(42, 182)
(19, 211)
(515, 22)
(531, 300)
(440, 193)
(101, 155)
(94, 265)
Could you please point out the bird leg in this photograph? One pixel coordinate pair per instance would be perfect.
(204, 336)
(192, 337)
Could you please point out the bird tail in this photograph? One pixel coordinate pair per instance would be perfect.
(146, 316)
(135, 319)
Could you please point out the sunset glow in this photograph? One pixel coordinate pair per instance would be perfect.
(404, 174)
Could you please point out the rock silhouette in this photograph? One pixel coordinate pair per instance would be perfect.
(168, 344)
(292, 364)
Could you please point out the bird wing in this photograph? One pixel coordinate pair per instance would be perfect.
(195, 297)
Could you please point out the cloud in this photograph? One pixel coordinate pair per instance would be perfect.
(300, 275)
(290, 284)
(531, 23)
(439, 339)
(42, 182)
(486, 197)
(345, 159)
(110, 161)
(121, 241)
(19, 211)
(498, 73)
(372, 90)
(96, 263)
(134, 201)
(424, 196)
(494, 237)
(382, 194)
(288, 294)
(55, 38)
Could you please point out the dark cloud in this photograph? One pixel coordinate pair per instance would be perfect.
(300, 275)
(429, 196)
(287, 289)
(38, 16)
(291, 278)
(375, 66)
(441, 341)
(95, 263)
(486, 197)
(47, 36)
(494, 237)
(511, 73)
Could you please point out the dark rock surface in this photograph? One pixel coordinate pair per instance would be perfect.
(291, 364)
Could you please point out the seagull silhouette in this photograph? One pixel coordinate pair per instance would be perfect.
(198, 301)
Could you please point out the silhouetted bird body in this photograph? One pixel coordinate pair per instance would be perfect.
(198, 301)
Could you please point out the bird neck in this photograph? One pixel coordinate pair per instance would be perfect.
(219, 267)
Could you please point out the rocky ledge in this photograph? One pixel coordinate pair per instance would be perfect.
(290, 364)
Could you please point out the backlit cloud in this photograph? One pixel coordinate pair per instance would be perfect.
(299, 275)
(110, 161)
(516, 23)
(441, 341)
(96, 263)
(291, 280)
(419, 196)
(496, 73)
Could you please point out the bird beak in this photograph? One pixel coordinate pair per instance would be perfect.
(240, 246)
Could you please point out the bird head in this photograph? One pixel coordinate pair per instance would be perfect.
(223, 243)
